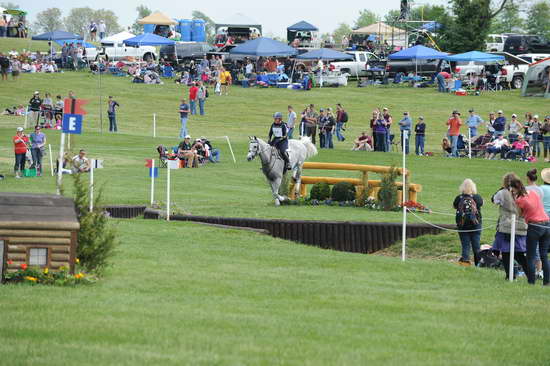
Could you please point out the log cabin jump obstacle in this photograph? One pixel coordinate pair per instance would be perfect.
(373, 186)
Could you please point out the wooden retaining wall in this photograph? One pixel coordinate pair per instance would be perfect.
(356, 237)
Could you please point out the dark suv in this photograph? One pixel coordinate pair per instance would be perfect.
(526, 44)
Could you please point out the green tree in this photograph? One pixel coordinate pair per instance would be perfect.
(48, 20)
(538, 18)
(508, 21)
(366, 17)
(110, 19)
(142, 11)
(79, 19)
(470, 25)
(342, 30)
(210, 24)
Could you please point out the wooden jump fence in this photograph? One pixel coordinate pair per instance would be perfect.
(373, 185)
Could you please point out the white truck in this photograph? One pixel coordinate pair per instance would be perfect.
(357, 67)
(118, 51)
(515, 69)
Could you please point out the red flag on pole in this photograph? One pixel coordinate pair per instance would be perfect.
(74, 106)
(148, 163)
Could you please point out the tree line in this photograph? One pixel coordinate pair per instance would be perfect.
(76, 21)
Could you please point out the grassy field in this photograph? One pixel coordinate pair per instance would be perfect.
(184, 293)
(192, 294)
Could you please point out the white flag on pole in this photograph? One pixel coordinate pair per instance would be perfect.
(97, 164)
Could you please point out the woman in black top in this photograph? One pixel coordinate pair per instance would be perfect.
(468, 218)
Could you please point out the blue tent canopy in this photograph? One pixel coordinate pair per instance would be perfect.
(148, 39)
(475, 56)
(264, 47)
(303, 26)
(417, 52)
(324, 54)
(74, 41)
(56, 35)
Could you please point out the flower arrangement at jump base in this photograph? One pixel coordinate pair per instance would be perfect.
(36, 275)
(415, 207)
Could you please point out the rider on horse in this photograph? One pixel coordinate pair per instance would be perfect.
(278, 137)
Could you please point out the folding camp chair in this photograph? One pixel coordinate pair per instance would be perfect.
(163, 157)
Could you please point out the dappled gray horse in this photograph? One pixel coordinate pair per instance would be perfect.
(273, 164)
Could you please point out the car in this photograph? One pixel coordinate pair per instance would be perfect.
(513, 70)
(519, 44)
(357, 66)
(184, 51)
(495, 42)
(118, 51)
(534, 57)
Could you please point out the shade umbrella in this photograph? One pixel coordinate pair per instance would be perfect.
(416, 53)
(56, 35)
(475, 56)
(148, 39)
(265, 47)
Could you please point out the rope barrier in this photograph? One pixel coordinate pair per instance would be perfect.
(444, 228)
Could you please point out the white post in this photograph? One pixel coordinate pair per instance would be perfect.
(92, 185)
(60, 167)
(152, 181)
(26, 116)
(231, 149)
(512, 248)
(168, 193)
(154, 125)
(69, 142)
(403, 199)
(469, 143)
(51, 158)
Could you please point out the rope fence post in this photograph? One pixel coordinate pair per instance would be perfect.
(231, 149)
(152, 181)
(512, 248)
(51, 158)
(168, 193)
(92, 185)
(469, 143)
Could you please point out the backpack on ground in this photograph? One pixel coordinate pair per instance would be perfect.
(467, 214)
(488, 259)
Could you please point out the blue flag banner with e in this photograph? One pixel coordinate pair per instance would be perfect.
(72, 123)
(153, 172)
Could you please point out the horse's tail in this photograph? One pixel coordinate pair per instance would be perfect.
(311, 150)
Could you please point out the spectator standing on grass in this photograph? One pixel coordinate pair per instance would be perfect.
(93, 30)
(538, 229)
(534, 130)
(111, 112)
(341, 120)
(329, 129)
(310, 122)
(38, 143)
(405, 129)
(499, 124)
(184, 114)
(380, 131)
(508, 207)
(4, 66)
(454, 124)
(531, 185)
(34, 107)
(291, 120)
(321, 122)
(420, 133)
(473, 121)
(389, 120)
(202, 93)
(514, 129)
(225, 80)
(468, 220)
(545, 132)
(20, 141)
(102, 28)
(3, 26)
(193, 97)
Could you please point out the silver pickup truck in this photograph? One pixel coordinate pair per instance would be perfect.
(357, 67)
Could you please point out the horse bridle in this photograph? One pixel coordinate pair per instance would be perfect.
(273, 153)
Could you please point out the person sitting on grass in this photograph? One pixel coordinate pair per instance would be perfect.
(81, 164)
(362, 143)
(498, 146)
(213, 154)
(446, 146)
(186, 152)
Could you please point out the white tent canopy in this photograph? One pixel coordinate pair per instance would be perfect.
(379, 28)
(117, 38)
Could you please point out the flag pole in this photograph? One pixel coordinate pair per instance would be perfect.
(168, 193)
(404, 174)
(60, 166)
(92, 185)
(152, 181)
(51, 158)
